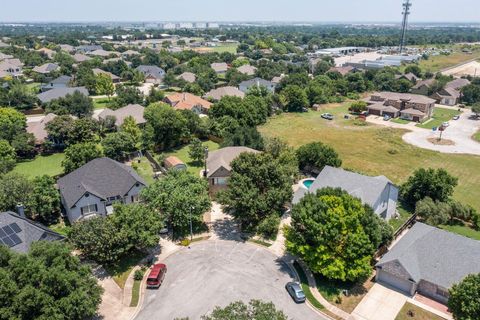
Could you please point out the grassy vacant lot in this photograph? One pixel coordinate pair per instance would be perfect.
(182, 154)
(418, 313)
(100, 103)
(440, 62)
(440, 115)
(375, 150)
(50, 165)
(227, 47)
(333, 292)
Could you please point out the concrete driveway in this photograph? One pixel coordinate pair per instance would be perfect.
(216, 273)
(380, 303)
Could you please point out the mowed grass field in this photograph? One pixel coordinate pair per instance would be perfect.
(50, 165)
(440, 115)
(440, 62)
(375, 150)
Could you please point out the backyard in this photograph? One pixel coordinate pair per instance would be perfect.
(100, 103)
(182, 154)
(375, 150)
(440, 115)
(144, 169)
(50, 165)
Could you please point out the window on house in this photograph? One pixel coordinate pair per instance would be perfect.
(89, 209)
(134, 198)
(220, 181)
(442, 292)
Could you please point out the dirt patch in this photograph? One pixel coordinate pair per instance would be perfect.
(443, 142)
(471, 68)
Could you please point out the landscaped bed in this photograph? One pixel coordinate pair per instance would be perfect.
(121, 269)
(418, 313)
(344, 295)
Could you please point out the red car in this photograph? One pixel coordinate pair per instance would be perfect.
(156, 276)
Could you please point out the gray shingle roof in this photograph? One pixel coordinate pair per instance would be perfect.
(30, 231)
(434, 255)
(56, 93)
(221, 92)
(102, 177)
(132, 110)
(368, 189)
(153, 71)
(223, 157)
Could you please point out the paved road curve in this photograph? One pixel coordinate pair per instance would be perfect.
(215, 273)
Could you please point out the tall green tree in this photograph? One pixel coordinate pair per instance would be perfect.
(464, 301)
(168, 125)
(118, 145)
(196, 151)
(46, 283)
(104, 85)
(295, 98)
(335, 234)
(14, 189)
(255, 310)
(12, 123)
(79, 154)
(259, 187)
(7, 157)
(130, 127)
(44, 200)
(176, 197)
(437, 184)
(316, 155)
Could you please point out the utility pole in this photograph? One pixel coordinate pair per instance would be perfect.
(406, 12)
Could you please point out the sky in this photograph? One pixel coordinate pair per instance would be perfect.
(238, 10)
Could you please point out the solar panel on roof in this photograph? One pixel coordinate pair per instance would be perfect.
(8, 230)
(9, 242)
(15, 227)
(16, 240)
(2, 233)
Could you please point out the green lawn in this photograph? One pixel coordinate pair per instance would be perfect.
(144, 169)
(440, 115)
(375, 149)
(135, 293)
(227, 47)
(462, 229)
(50, 165)
(62, 227)
(182, 154)
(121, 269)
(476, 136)
(100, 103)
(404, 216)
(400, 121)
(417, 312)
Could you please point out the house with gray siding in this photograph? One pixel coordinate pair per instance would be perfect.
(377, 192)
(429, 261)
(92, 189)
(244, 86)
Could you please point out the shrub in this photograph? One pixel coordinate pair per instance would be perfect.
(185, 242)
(268, 228)
(138, 275)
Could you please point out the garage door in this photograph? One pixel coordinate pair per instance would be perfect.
(374, 112)
(390, 280)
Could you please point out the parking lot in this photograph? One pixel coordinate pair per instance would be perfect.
(215, 273)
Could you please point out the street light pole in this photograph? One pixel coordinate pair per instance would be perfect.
(205, 169)
(191, 228)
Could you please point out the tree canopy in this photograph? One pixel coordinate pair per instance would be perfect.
(335, 234)
(255, 310)
(79, 154)
(47, 283)
(464, 301)
(316, 155)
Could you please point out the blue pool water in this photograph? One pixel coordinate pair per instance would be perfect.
(308, 183)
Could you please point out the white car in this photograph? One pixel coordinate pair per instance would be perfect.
(445, 124)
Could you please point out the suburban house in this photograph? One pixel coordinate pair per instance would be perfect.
(92, 189)
(115, 79)
(48, 52)
(276, 80)
(408, 106)
(153, 74)
(88, 48)
(429, 261)
(102, 53)
(450, 95)
(247, 70)
(132, 110)
(11, 67)
(378, 192)
(60, 82)
(38, 129)
(46, 68)
(217, 94)
(244, 86)
(57, 93)
(218, 166)
(187, 77)
(219, 67)
(67, 48)
(18, 233)
(79, 58)
(188, 101)
(422, 87)
(174, 163)
(408, 76)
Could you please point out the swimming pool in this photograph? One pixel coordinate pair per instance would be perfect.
(307, 183)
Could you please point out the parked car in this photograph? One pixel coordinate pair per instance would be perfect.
(295, 291)
(327, 116)
(445, 124)
(156, 276)
(386, 117)
(456, 117)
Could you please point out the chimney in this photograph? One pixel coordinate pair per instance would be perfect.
(21, 210)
